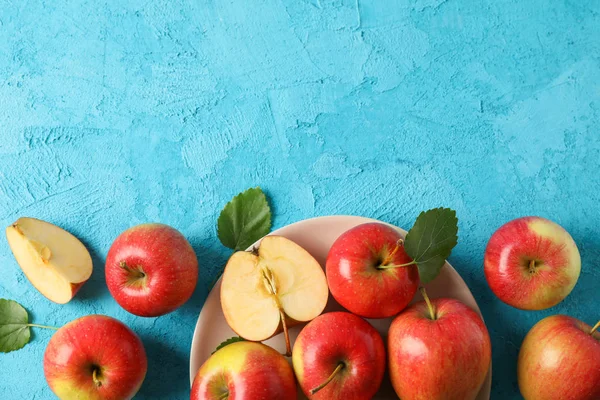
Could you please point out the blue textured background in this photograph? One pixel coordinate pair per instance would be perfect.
(115, 113)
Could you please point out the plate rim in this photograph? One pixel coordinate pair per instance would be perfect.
(195, 339)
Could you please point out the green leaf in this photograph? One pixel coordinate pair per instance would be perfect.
(244, 220)
(229, 341)
(431, 240)
(14, 327)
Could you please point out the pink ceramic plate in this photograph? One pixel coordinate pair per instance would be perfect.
(317, 235)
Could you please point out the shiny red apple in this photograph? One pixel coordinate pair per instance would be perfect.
(97, 358)
(367, 272)
(151, 270)
(560, 359)
(339, 356)
(245, 371)
(438, 350)
(531, 263)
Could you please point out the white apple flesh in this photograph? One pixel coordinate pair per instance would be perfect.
(266, 292)
(55, 262)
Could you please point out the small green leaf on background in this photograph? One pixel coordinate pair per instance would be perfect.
(244, 220)
(14, 328)
(431, 240)
(229, 341)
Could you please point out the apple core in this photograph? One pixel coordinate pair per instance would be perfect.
(271, 286)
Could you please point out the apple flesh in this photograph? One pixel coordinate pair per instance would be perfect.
(151, 270)
(56, 263)
(438, 350)
(367, 272)
(560, 359)
(339, 355)
(266, 292)
(531, 263)
(245, 371)
(95, 358)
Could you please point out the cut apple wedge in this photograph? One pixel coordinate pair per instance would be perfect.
(267, 291)
(55, 262)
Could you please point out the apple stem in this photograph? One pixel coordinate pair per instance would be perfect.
(43, 326)
(531, 266)
(286, 334)
(135, 272)
(390, 256)
(429, 304)
(95, 377)
(594, 328)
(337, 369)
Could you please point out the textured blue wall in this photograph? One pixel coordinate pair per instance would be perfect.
(117, 112)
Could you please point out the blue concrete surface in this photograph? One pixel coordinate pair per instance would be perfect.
(115, 113)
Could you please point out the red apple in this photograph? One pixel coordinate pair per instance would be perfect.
(531, 263)
(151, 270)
(245, 371)
(365, 273)
(560, 359)
(97, 358)
(438, 350)
(339, 356)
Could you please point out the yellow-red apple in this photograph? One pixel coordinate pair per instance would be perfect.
(245, 371)
(531, 263)
(95, 358)
(560, 359)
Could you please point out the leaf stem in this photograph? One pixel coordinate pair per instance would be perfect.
(337, 369)
(413, 262)
(430, 306)
(594, 328)
(43, 326)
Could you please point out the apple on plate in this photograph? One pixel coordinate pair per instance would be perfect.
(56, 263)
(339, 356)
(438, 350)
(531, 263)
(369, 272)
(96, 358)
(560, 359)
(245, 371)
(151, 270)
(272, 288)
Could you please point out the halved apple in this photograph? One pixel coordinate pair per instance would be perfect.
(266, 291)
(55, 262)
